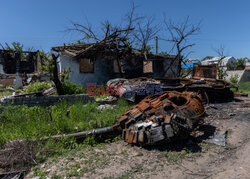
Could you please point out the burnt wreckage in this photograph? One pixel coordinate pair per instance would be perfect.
(13, 62)
(171, 114)
(170, 108)
(203, 81)
(162, 118)
(212, 90)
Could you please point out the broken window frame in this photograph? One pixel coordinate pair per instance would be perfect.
(85, 69)
(116, 67)
(152, 66)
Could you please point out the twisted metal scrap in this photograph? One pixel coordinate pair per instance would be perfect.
(161, 118)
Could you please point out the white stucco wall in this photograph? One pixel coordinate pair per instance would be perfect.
(1, 64)
(231, 73)
(243, 75)
(100, 75)
(104, 70)
(1, 69)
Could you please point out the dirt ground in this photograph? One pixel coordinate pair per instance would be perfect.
(191, 158)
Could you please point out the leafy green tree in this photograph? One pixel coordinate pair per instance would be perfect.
(238, 65)
(49, 67)
(16, 46)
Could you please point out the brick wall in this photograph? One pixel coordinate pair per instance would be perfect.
(49, 100)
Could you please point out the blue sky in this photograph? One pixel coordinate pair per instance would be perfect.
(41, 24)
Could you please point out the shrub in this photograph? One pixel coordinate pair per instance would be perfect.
(71, 88)
(38, 86)
(234, 79)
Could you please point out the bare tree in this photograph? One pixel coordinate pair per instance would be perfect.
(86, 30)
(220, 68)
(180, 35)
(145, 31)
(108, 30)
(134, 30)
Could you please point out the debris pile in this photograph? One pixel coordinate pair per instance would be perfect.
(107, 103)
(161, 118)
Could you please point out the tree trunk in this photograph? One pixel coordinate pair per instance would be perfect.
(55, 77)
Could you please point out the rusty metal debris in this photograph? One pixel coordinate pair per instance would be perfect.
(205, 71)
(161, 118)
(219, 138)
(240, 94)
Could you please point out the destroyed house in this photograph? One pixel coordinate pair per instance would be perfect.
(12, 62)
(15, 64)
(98, 63)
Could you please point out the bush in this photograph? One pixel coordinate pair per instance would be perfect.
(71, 88)
(38, 86)
(234, 79)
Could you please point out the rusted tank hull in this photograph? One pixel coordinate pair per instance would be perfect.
(212, 90)
(161, 118)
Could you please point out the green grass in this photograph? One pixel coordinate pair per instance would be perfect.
(175, 156)
(39, 172)
(22, 122)
(4, 91)
(244, 87)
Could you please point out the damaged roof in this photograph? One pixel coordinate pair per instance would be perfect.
(88, 49)
(75, 50)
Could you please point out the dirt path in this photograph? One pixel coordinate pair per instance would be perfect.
(185, 159)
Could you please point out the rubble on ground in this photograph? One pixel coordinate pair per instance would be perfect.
(18, 94)
(107, 100)
(219, 138)
(106, 103)
(105, 106)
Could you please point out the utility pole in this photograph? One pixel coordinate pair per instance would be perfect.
(156, 45)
